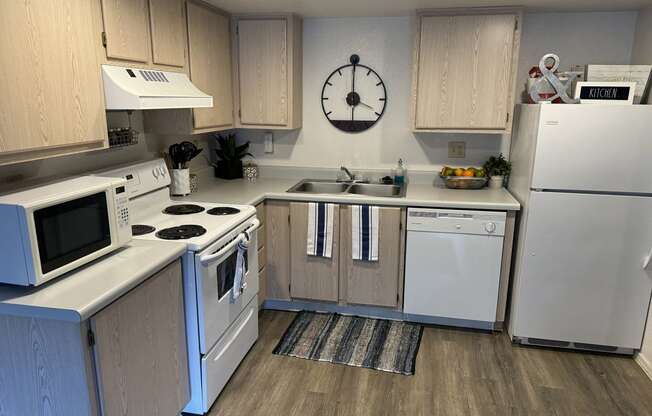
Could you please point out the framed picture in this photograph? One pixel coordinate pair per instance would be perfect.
(591, 92)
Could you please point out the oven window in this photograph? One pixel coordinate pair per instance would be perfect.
(226, 273)
(71, 230)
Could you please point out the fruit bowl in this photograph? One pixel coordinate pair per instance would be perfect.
(464, 182)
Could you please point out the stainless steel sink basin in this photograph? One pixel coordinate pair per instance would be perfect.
(319, 187)
(390, 191)
(315, 186)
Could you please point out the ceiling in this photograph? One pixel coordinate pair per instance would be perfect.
(340, 8)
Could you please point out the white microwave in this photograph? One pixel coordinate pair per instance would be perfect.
(50, 230)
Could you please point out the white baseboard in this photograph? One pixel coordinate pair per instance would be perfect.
(645, 364)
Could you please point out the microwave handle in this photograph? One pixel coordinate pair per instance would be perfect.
(210, 257)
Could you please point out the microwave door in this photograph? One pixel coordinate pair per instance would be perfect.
(70, 231)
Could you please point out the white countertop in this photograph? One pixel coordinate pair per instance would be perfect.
(78, 295)
(243, 192)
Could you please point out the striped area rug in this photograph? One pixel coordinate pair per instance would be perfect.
(378, 344)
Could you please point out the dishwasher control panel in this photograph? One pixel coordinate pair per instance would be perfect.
(456, 221)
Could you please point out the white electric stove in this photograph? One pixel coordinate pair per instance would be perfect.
(221, 321)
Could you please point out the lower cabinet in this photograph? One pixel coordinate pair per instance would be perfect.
(140, 349)
(130, 358)
(311, 277)
(373, 283)
(293, 275)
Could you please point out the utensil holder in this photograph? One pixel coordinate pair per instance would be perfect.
(180, 182)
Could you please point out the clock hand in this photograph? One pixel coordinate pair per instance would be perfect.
(366, 105)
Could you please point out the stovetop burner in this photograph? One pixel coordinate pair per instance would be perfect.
(181, 232)
(223, 211)
(183, 209)
(141, 229)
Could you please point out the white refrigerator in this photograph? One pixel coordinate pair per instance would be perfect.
(583, 174)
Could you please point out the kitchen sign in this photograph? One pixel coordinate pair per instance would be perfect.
(605, 92)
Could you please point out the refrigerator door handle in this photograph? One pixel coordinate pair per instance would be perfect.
(646, 260)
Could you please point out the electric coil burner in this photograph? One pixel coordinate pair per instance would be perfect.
(140, 229)
(223, 211)
(183, 209)
(181, 232)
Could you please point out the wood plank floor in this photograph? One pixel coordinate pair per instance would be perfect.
(458, 373)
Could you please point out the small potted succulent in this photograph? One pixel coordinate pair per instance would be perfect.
(229, 165)
(498, 168)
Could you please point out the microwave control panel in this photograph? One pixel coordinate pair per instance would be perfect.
(122, 206)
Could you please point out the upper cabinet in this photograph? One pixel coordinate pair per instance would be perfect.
(148, 33)
(168, 27)
(268, 71)
(52, 100)
(209, 46)
(465, 65)
(209, 66)
(126, 30)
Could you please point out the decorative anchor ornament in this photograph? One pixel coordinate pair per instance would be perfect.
(560, 87)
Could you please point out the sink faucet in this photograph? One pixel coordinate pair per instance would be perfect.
(350, 176)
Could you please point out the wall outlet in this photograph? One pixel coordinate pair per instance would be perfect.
(269, 142)
(456, 149)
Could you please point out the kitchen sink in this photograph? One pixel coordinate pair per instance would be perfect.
(316, 186)
(319, 187)
(391, 191)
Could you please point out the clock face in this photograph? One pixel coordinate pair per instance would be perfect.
(353, 97)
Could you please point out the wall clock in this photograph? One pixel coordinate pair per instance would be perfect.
(353, 97)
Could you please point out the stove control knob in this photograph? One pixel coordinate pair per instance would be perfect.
(490, 227)
(162, 170)
(155, 173)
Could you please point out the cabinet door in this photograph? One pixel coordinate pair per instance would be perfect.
(312, 277)
(167, 29)
(263, 71)
(373, 283)
(140, 349)
(209, 44)
(464, 74)
(126, 25)
(51, 83)
(277, 225)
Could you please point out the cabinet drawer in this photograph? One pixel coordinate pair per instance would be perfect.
(262, 287)
(220, 363)
(262, 258)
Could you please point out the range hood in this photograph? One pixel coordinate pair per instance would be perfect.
(144, 89)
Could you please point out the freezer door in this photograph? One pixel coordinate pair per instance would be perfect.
(582, 276)
(594, 148)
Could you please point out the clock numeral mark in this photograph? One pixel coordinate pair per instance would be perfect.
(329, 83)
(339, 72)
(378, 114)
(328, 113)
(379, 83)
(324, 98)
(369, 72)
(382, 99)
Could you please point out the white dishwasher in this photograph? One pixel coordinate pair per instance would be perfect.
(452, 267)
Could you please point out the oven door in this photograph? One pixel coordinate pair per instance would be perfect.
(216, 269)
(70, 233)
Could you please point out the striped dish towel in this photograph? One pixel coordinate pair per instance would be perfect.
(320, 229)
(364, 230)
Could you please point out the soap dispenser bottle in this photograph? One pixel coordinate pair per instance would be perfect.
(399, 173)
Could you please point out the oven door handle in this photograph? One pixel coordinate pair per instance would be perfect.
(211, 257)
(255, 224)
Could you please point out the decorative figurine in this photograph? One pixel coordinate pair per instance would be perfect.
(548, 76)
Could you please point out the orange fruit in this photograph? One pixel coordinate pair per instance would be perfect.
(469, 172)
(459, 172)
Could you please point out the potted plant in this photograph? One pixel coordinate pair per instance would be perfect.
(229, 165)
(497, 168)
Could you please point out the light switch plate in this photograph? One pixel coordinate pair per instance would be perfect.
(269, 142)
(456, 149)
